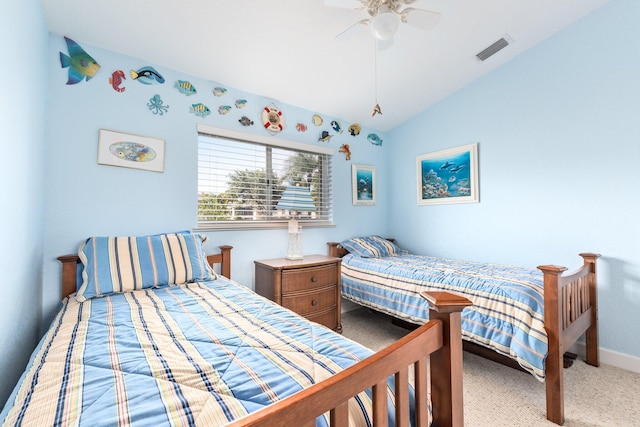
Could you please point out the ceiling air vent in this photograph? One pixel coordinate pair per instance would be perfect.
(493, 49)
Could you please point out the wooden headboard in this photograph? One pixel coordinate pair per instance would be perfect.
(335, 250)
(70, 268)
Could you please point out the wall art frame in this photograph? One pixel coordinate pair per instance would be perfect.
(448, 176)
(363, 185)
(130, 151)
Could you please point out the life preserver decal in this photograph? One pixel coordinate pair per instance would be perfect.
(272, 119)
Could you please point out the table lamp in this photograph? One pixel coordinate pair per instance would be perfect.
(294, 200)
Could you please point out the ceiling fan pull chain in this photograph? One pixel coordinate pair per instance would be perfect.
(376, 108)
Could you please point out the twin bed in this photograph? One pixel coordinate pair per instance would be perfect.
(149, 334)
(529, 316)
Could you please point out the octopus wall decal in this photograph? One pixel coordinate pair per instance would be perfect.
(156, 106)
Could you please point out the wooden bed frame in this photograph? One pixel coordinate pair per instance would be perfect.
(570, 310)
(440, 340)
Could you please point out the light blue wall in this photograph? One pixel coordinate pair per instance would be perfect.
(23, 70)
(559, 147)
(85, 198)
(557, 127)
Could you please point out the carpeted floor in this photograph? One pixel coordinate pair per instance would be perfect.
(495, 395)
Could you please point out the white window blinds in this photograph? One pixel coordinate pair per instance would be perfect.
(241, 178)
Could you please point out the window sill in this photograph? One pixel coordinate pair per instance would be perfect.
(257, 225)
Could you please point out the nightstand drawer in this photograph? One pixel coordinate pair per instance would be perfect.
(309, 278)
(305, 303)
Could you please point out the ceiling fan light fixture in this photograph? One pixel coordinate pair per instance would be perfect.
(384, 25)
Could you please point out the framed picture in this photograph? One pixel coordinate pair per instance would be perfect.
(448, 176)
(130, 151)
(363, 182)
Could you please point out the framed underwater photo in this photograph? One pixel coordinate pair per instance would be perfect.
(448, 176)
(363, 183)
(130, 151)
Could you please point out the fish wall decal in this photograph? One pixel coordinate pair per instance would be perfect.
(185, 87)
(374, 139)
(147, 76)
(245, 121)
(219, 91)
(81, 65)
(224, 109)
(325, 136)
(354, 129)
(200, 110)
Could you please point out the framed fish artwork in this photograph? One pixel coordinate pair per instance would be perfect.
(130, 151)
(363, 184)
(448, 176)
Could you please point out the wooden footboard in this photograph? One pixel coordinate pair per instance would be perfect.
(440, 338)
(570, 310)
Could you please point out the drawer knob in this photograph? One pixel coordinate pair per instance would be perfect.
(314, 303)
(314, 279)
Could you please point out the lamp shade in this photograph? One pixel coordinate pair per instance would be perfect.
(296, 199)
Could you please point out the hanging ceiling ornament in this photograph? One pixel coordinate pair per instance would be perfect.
(376, 108)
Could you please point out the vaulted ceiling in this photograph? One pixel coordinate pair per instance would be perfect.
(287, 50)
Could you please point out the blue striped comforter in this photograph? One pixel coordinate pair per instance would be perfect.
(195, 354)
(507, 313)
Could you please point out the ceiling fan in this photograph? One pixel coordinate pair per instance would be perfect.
(385, 17)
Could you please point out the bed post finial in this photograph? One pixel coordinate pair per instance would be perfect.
(591, 335)
(446, 378)
(69, 273)
(559, 316)
(554, 363)
(333, 249)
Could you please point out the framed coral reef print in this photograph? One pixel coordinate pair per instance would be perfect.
(363, 182)
(448, 176)
(130, 151)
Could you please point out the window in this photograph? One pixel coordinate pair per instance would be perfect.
(241, 178)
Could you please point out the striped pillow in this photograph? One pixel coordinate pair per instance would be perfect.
(370, 247)
(121, 264)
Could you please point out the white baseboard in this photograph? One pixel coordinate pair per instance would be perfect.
(610, 357)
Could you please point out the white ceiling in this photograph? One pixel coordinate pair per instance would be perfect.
(286, 49)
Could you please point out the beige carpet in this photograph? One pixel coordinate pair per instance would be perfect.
(495, 395)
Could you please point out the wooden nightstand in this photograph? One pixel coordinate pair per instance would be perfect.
(310, 286)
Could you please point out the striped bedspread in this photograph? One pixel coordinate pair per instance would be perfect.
(195, 354)
(507, 313)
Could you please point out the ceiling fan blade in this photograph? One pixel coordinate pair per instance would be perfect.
(345, 4)
(420, 18)
(352, 30)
